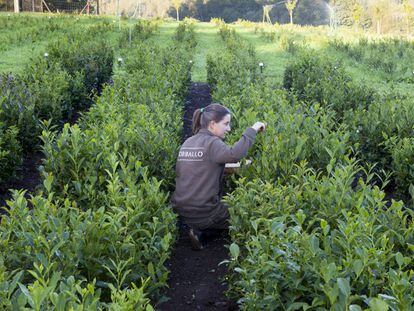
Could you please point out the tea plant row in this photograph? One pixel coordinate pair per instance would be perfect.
(37, 30)
(380, 125)
(52, 87)
(392, 57)
(98, 235)
(310, 224)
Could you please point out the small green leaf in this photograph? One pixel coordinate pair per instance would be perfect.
(151, 268)
(314, 243)
(399, 258)
(411, 190)
(298, 306)
(354, 308)
(344, 287)
(234, 250)
(377, 304)
(47, 182)
(328, 272)
(358, 266)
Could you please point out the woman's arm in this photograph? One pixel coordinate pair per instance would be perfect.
(221, 153)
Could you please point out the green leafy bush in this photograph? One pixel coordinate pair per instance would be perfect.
(75, 69)
(233, 66)
(10, 153)
(314, 79)
(50, 246)
(185, 33)
(389, 117)
(392, 57)
(402, 153)
(287, 43)
(320, 243)
(141, 30)
(17, 108)
(107, 164)
(295, 132)
(89, 63)
(49, 87)
(311, 228)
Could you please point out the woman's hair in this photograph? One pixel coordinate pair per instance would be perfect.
(202, 117)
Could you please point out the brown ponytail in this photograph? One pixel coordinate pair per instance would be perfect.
(203, 116)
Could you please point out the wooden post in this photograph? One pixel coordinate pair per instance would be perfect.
(44, 3)
(16, 6)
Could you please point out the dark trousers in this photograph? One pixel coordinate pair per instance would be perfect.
(218, 220)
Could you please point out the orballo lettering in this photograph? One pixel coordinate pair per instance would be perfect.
(191, 154)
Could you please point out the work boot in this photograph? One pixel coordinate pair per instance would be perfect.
(195, 238)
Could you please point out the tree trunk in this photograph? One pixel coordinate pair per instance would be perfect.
(291, 17)
(16, 6)
(178, 16)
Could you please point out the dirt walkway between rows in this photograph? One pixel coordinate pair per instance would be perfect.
(196, 280)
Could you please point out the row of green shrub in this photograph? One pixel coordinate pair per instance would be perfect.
(310, 226)
(142, 30)
(19, 29)
(379, 124)
(226, 62)
(392, 57)
(99, 234)
(51, 88)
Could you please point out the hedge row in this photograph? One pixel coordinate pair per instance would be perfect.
(51, 88)
(307, 231)
(99, 234)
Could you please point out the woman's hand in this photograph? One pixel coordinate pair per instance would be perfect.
(259, 127)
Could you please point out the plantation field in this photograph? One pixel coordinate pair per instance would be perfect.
(322, 220)
(273, 44)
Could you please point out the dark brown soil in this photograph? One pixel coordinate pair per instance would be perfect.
(198, 97)
(197, 281)
(29, 180)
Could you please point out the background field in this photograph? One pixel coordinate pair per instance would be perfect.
(270, 50)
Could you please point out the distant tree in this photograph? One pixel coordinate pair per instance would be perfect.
(343, 11)
(177, 5)
(357, 13)
(378, 9)
(312, 12)
(290, 6)
(408, 10)
(229, 10)
(307, 11)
